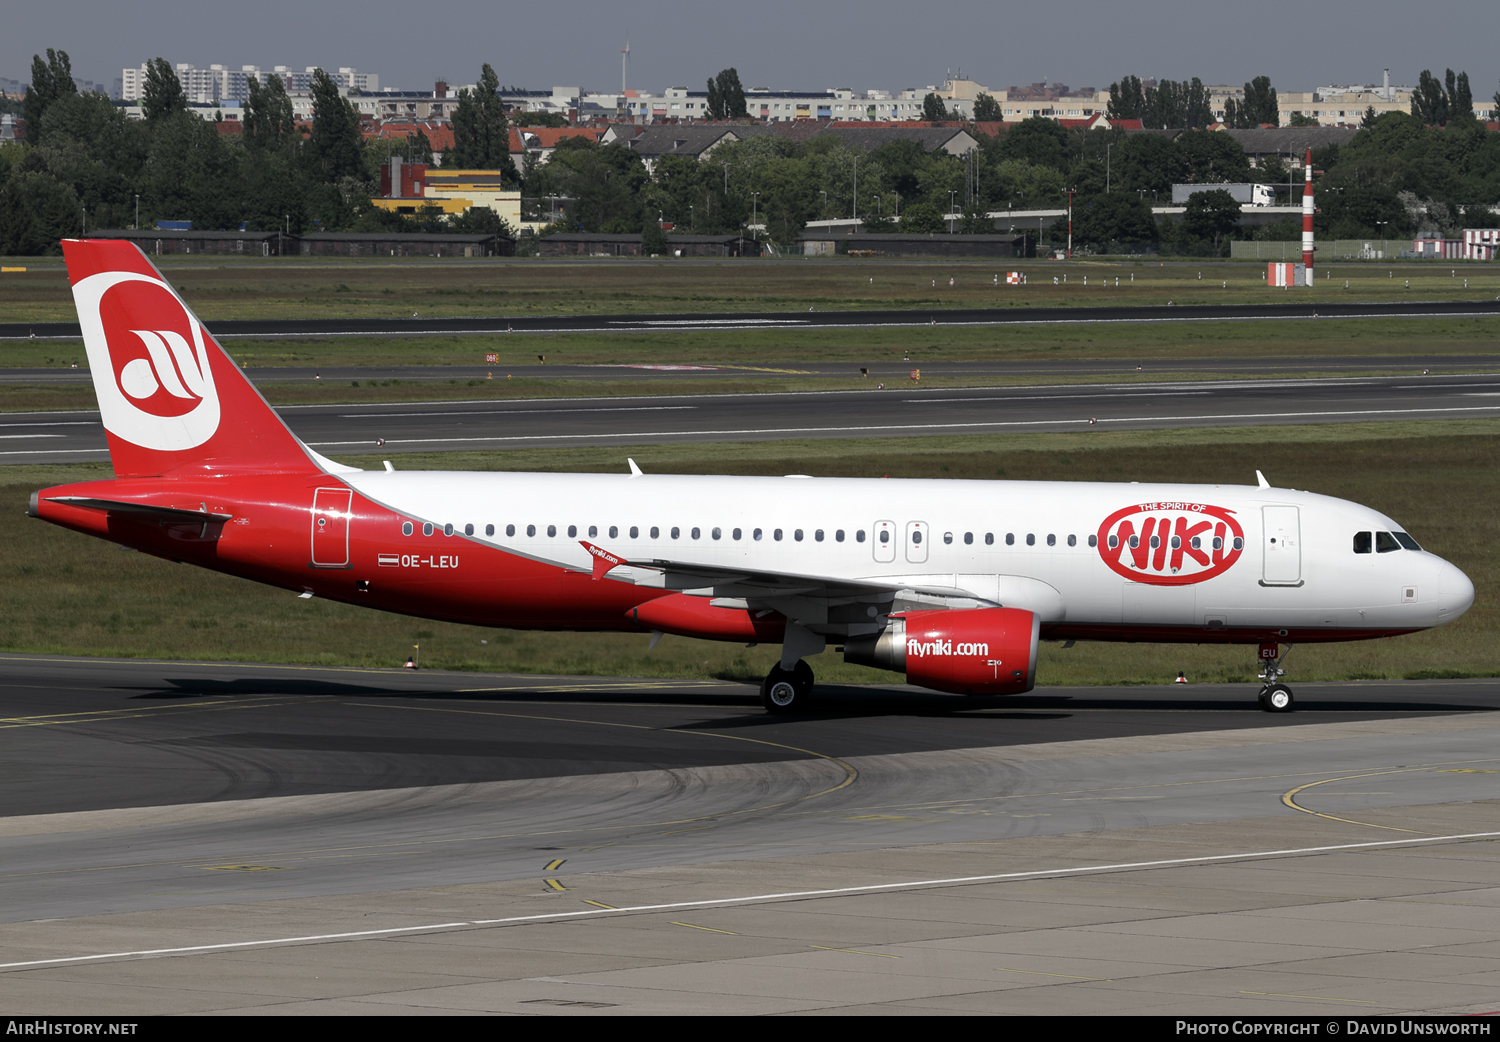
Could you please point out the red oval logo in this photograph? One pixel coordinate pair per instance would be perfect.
(1171, 544)
(151, 346)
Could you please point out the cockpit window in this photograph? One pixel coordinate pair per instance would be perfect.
(1385, 543)
(1406, 540)
(1364, 542)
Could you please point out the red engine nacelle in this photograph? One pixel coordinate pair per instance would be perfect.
(980, 651)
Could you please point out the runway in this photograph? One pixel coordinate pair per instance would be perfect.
(899, 410)
(376, 841)
(850, 319)
(668, 374)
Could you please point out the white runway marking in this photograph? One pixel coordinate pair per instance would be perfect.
(749, 899)
(1059, 397)
(512, 412)
(908, 426)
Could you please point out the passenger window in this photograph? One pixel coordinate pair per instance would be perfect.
(448, 529)
(489, 530)
(859, 537)
(468, 529)
(531, 530)
(989, 539)
(717, 533)
(818, 535)
(1218, 542)
(1176, 542)
(736, 534)
(797, 535)
(406, 528)
(1051, 539)
(757, 534)
(676, 533)
(1030, 539)
(1135, 541)
(916, 537)
(1093, 540)
(1364, 542)
(1072, 540)
(948, 538)
(572, 531)
(1239, 543)
(1385, 543)
(885, 537)
(614, 531)
(427, 528)
(510, 529)
(593, 531)
(776, 535)
(838, 537)
(696, 533)
(551, 531)
(968, 538)
(635, 532)
(1010, 539)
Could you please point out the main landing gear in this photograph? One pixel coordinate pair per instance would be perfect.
(1275, 697)
(787, 690)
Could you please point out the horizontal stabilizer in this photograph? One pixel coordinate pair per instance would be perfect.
(143, 511)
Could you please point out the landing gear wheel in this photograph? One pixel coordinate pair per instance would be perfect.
(1276, 699)
(787, 690)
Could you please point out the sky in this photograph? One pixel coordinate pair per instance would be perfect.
(781, 44)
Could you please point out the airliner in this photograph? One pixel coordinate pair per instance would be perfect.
(953, 583)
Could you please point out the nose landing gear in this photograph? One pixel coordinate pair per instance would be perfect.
(1274, 697)
(787, 690)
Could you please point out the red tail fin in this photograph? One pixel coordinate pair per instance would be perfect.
(168, 394)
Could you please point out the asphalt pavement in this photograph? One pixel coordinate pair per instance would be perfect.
(901, 409)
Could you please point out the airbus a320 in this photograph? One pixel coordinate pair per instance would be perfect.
(952, 583)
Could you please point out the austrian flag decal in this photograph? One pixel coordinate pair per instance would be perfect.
(1171, 544)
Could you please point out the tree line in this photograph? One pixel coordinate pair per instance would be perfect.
(84, 165)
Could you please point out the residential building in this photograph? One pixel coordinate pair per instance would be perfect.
(219, 83)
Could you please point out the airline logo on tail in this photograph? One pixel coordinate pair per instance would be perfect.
(150, 362)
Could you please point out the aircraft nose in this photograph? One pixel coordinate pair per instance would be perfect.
(1455, 593)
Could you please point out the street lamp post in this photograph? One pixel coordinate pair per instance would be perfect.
(951, 196)
(137, 225)
(1383, 247)
(1106, 166)
(755, 215)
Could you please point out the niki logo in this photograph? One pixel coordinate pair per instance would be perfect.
(1171, 544)
(159, 392)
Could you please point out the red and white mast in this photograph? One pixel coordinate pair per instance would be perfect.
(1307, 219)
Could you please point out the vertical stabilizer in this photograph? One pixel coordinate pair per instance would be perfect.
(168, 394)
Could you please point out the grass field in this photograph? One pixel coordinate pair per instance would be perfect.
(65, 593)
(229, 288)
(770, 360)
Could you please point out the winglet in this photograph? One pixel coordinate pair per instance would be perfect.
(1261, 479)
(635, 471)
(603, 559)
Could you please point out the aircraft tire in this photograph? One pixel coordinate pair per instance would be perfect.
(1276, 699)
(787, 691)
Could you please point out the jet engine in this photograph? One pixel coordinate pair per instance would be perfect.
(978, 651)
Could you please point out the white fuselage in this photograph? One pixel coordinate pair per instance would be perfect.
(1016, 543)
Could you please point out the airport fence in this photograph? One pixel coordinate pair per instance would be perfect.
(1337, 249)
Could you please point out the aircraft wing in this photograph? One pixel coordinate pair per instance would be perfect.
(675, 574)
